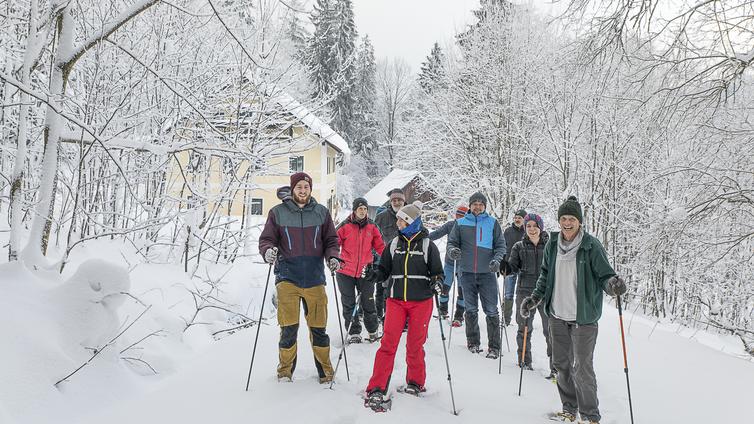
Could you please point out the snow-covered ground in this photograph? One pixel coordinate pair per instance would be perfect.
(677, 375)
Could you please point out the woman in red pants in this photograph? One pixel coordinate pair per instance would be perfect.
(413, 267)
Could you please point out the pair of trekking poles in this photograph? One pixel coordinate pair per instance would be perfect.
(342, 354)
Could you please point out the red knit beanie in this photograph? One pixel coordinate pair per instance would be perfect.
(298, 176)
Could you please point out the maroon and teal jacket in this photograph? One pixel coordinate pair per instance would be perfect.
(357, 239)
(304, 237)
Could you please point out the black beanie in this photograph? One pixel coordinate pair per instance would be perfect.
(571, 207)
(359, 201)
(478, 197)
(521, 213)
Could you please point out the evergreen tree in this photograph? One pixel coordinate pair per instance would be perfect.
(332, 61)
(432, 70)
(365, 94)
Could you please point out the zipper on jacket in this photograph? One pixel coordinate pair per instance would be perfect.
(358, 257)
(303, 242)
(405, 270)
(476, 243)
(316, 234)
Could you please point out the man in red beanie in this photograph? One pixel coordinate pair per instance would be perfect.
(298, 235)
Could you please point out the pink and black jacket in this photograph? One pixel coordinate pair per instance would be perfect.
(357, 239)
(304, 237)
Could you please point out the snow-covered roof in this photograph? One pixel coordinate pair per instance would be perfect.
(313, 122)
(397, 178)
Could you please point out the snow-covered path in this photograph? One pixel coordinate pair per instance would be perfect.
(674, 379)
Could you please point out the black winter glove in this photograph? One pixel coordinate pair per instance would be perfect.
(505, 268)
(616, 286)
(528, 305)
(454, 253)
(437, 285)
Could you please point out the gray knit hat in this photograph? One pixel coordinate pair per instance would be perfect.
(410, 213)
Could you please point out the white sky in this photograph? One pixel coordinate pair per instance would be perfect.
(409, 28)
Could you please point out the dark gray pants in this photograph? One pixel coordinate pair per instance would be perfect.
(348, 287)
(520, 295)
(572, 353)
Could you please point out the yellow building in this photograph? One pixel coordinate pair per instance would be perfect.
(294, 140)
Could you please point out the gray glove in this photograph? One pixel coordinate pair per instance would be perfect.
(494, 265)
(528, 305)
(271, 255)
(333, 264)
(616, 286)
(454, 253)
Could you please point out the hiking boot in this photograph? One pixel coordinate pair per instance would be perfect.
(443, 310)
(285, 378)
(414, 389)
(373, 337)
(493, 354)
(457, 323)
(526, 366)
(326, 379)
(474, 349)
(553, 375)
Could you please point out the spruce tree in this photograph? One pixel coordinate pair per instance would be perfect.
(365, 93)
(432, 70)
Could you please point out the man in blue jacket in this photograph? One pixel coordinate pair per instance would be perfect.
(478, 246)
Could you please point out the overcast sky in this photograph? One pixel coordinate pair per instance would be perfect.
(409, 28)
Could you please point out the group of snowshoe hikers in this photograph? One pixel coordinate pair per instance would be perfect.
(389, 271)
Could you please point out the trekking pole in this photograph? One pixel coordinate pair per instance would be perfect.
(259, 325)
(340, 323)
(452, 299)
(523, 355)
(625, 360)
(343, 349)
(445, 352)
(502, 321)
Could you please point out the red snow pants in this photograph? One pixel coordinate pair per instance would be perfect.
(397, 312)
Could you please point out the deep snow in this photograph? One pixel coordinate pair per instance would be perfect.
(677, 375)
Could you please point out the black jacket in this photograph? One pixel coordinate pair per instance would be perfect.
(387, 223)
(409, 279)
(526, 259)
(512, 236)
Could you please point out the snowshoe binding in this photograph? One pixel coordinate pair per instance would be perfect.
(353, 339)
(374, 337)
(412, 389)
(377, 402)
(474, 349)
(562, 416)
(493, 354)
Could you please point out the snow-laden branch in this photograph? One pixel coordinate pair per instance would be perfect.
(69, 59)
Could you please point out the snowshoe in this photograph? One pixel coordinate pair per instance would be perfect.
(474, 349)
(412, 389)
(492, 354)
(377, 401)
(526, 366)
(588, 422)
(553, 375)
(562, 416)
(354, 338)
(457, 323)
(285, 378)
(373, 337)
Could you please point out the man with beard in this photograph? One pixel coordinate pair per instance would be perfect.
(298, 235)
(575, 271)
(387, 223)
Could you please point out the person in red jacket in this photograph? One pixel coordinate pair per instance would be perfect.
(358, 236)
(412, 265)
